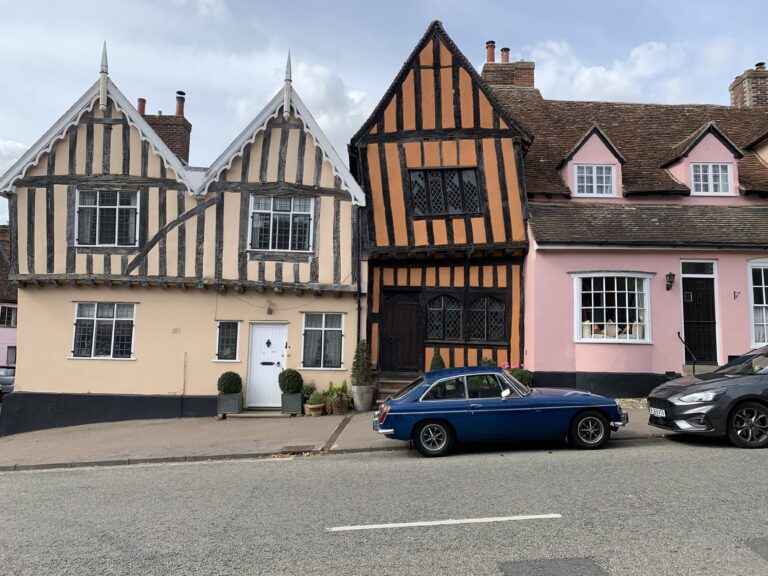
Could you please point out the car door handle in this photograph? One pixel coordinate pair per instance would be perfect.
(473, 406)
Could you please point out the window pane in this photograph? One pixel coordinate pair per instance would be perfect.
(332, 349)
(313, 320)
(302, 204)
(300, 232)
(453, 191)
(105, 310)
(419, 193)
(281, 231)
(313, 342)
(282, 204)
(127, 198)
(126, 227)
(496, 318)
(434, 324)
(124, 311)
(108, 198)
(452, 389)
(483, 386)
(263, 203)
(333, 320)
(698, 268)
(477, 319)
(86, 310)
(103, 337)
(227, 341)
(123, 339)
(88, 198)
(260, 232)
(107, 225)
(471, 197)
(86, 226)
(436, 199)
(83, 338)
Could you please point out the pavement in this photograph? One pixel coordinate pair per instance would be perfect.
(195, 439)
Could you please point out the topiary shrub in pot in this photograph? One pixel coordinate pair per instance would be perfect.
(315, 404)
(437, 362)
(306, 392)
(291, 383)
(362, 378)
(230, 399)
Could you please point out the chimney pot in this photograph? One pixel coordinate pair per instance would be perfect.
(505, 55)
(490, 51)
(180, 103)
(760, 66)
(142, 106)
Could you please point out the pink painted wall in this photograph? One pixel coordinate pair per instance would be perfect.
(592, 152)
(549, 309)
(710, 149)
(7, 338)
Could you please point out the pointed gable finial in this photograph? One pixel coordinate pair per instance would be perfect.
(103, 72)
(287, 92)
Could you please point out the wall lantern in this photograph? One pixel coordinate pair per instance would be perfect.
(670, 280)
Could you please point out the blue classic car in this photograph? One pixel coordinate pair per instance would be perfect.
(484, 404)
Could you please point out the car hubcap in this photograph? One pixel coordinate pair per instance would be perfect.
(433, 437)
(751, 425)
(591, 430)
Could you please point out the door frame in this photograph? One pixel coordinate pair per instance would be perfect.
(251, 323)
(713, 277)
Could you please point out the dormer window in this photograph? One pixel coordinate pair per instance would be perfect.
(594, 180)
(711, 179)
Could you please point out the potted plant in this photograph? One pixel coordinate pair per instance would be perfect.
(230, 400)
(306, 392)
(291, 383)
(362, 378)
(329, 395)
(340, 401)
(315, 404)
(437, 362)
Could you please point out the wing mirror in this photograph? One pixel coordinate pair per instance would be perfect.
(505, 393)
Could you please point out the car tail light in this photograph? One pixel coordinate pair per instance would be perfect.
(383, 414)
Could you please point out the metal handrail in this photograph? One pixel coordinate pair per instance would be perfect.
(680, 337)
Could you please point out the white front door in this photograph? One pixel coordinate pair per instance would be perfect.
(265, 361)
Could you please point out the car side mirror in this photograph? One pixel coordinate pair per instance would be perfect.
(505, 393)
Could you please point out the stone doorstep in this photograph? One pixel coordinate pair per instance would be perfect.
(259, 414)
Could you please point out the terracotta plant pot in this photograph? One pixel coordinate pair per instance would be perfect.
(314, 409)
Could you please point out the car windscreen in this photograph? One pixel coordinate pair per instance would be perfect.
(7, 371)
(750, 363)
(403, 391)
(523, 388)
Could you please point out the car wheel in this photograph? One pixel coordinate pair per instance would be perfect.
(589, 430)
(748, 425)
(433, 439)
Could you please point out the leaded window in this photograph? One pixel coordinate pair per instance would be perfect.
(760, 305)
(444, 192)
(487, 319)
(103, 330)
(281, 223)
(227, 340)
(8, 316)
(107, 218)
(711, 178)
(10, 356)
(594, 180)
(612, 307)
(444, 318)
(323, 337)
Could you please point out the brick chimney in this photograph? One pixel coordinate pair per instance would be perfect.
(173, 130)
(506, 73)
(750, 90)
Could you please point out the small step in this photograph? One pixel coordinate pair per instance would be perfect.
(700, 369)
(259, 414)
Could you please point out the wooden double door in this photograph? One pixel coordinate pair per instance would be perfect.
(401, 333)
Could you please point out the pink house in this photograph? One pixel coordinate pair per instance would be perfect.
(649, 233)
(8, 304)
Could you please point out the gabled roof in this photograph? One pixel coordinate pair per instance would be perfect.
(72, 117)
(259, 124)
(436, 29)
(597, 131)
(684, 148)
(758, 137)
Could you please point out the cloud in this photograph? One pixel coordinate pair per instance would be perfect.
(10, 151)
(211, 9)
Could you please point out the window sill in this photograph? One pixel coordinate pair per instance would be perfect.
(305, 369)
(612, 341)
(217, 361)
(133, 359)
(280, 255)
(712, 195)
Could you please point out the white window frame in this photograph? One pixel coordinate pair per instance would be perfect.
(14, 313)
(112, 344)
(762, 264)
(710, 184)
(323, 329)
(96, 244)
(594, 193)
(271, 212)
(237, 342)
(578, 334)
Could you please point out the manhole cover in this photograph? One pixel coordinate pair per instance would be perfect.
(556, 567)
(759, 546)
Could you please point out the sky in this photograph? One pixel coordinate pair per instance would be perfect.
(229, 55)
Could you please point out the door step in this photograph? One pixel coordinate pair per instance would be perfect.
(700, 369)
(259, 414)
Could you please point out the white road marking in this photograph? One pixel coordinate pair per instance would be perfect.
(444, 522)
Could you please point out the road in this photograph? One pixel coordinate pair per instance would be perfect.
(660, 506)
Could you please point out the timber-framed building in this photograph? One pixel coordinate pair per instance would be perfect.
(441, 165)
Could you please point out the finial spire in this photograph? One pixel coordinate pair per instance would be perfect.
(103, 72)
(287, 91)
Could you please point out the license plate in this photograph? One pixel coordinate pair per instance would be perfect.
(658, 412)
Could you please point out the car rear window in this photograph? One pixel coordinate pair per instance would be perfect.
(750, 363)
(403, 391)
(450, 389)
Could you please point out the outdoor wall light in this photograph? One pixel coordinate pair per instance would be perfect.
(670, 280)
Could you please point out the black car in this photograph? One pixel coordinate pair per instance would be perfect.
(732, 401)
(7, 376)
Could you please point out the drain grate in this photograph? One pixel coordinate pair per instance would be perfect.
(759, 546)
(555, 567)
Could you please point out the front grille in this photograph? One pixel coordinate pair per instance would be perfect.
(665, 405)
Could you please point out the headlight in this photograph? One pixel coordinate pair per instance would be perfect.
(708, 396)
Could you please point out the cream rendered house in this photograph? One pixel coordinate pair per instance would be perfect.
(142, 279)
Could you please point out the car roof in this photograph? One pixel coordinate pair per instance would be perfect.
(467, 370)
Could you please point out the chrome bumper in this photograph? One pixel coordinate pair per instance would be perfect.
(376, 427)
(624, 420)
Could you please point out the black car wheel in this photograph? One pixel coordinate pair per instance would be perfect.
(433, 439)
(589, 430)
(748, 425)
